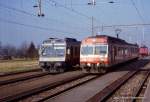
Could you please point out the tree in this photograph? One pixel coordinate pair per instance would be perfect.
(0, 49)
(22, 50)
(32, 51)
(9, 50)
(0, 44)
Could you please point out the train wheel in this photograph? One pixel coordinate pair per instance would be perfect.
(44, 69)
(102, 70)
(61, 70)
(86, 69)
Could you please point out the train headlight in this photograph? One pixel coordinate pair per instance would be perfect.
(41, 63)
(89, 64)
(58, 64)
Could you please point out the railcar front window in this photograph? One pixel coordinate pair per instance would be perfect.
(53, 51)
(87, 50)
(100, 49)
(59, 51)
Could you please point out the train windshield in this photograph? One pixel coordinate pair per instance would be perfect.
(87, 50)
(90, 50)
(102, 49)
(53, 51)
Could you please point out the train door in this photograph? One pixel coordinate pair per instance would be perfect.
(69, 55)
(114, 54)
(112, 51)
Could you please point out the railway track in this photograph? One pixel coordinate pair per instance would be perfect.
(118, 90)
(18, 72)
(43, 89)
(21, 77)
(108, 84)
(60, 88)
(142, 87)
(27, 89)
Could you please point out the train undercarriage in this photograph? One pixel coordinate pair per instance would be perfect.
(54, 67)
(94, 68)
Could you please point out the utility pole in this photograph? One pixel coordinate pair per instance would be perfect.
(39, 6)
(92, 26)
(40, 11)
(92, 2)
(143, 33)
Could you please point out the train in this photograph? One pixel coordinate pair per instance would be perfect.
(58, 55)
(99, 53)
(143, 51)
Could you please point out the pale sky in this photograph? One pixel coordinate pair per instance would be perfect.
(72, 18)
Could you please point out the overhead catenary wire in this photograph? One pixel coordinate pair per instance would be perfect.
(47, 4)
(70, 9)
(33, 26)
(22, 11)
(137, 10)
(124, 25)
(34, 15)
(73, 10)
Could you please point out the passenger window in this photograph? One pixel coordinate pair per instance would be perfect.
(115, 51)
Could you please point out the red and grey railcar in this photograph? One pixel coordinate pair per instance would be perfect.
(143, 51)
(58, 55)
(98, 53)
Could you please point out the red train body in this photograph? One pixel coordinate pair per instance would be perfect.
(98, 53)
(143, 51)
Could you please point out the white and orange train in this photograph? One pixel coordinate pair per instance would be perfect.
(98, 53)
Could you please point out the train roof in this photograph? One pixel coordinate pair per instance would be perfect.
(144, 46)
(50, 40)
(113, 39)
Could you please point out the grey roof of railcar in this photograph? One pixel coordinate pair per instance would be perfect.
(113, 39)
(49, 40)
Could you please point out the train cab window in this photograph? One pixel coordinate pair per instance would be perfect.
(87, 50)
(101, 49)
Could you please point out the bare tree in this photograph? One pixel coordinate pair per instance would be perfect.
(0, 44)
(0, 49)
(32, 51)
(22, 50)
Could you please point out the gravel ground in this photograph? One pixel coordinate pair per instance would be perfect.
(51, 92)
(127, 91)
(144, 89)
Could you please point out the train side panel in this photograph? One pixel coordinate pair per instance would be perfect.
(118, 51)
(58, 55)
(143, 51)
